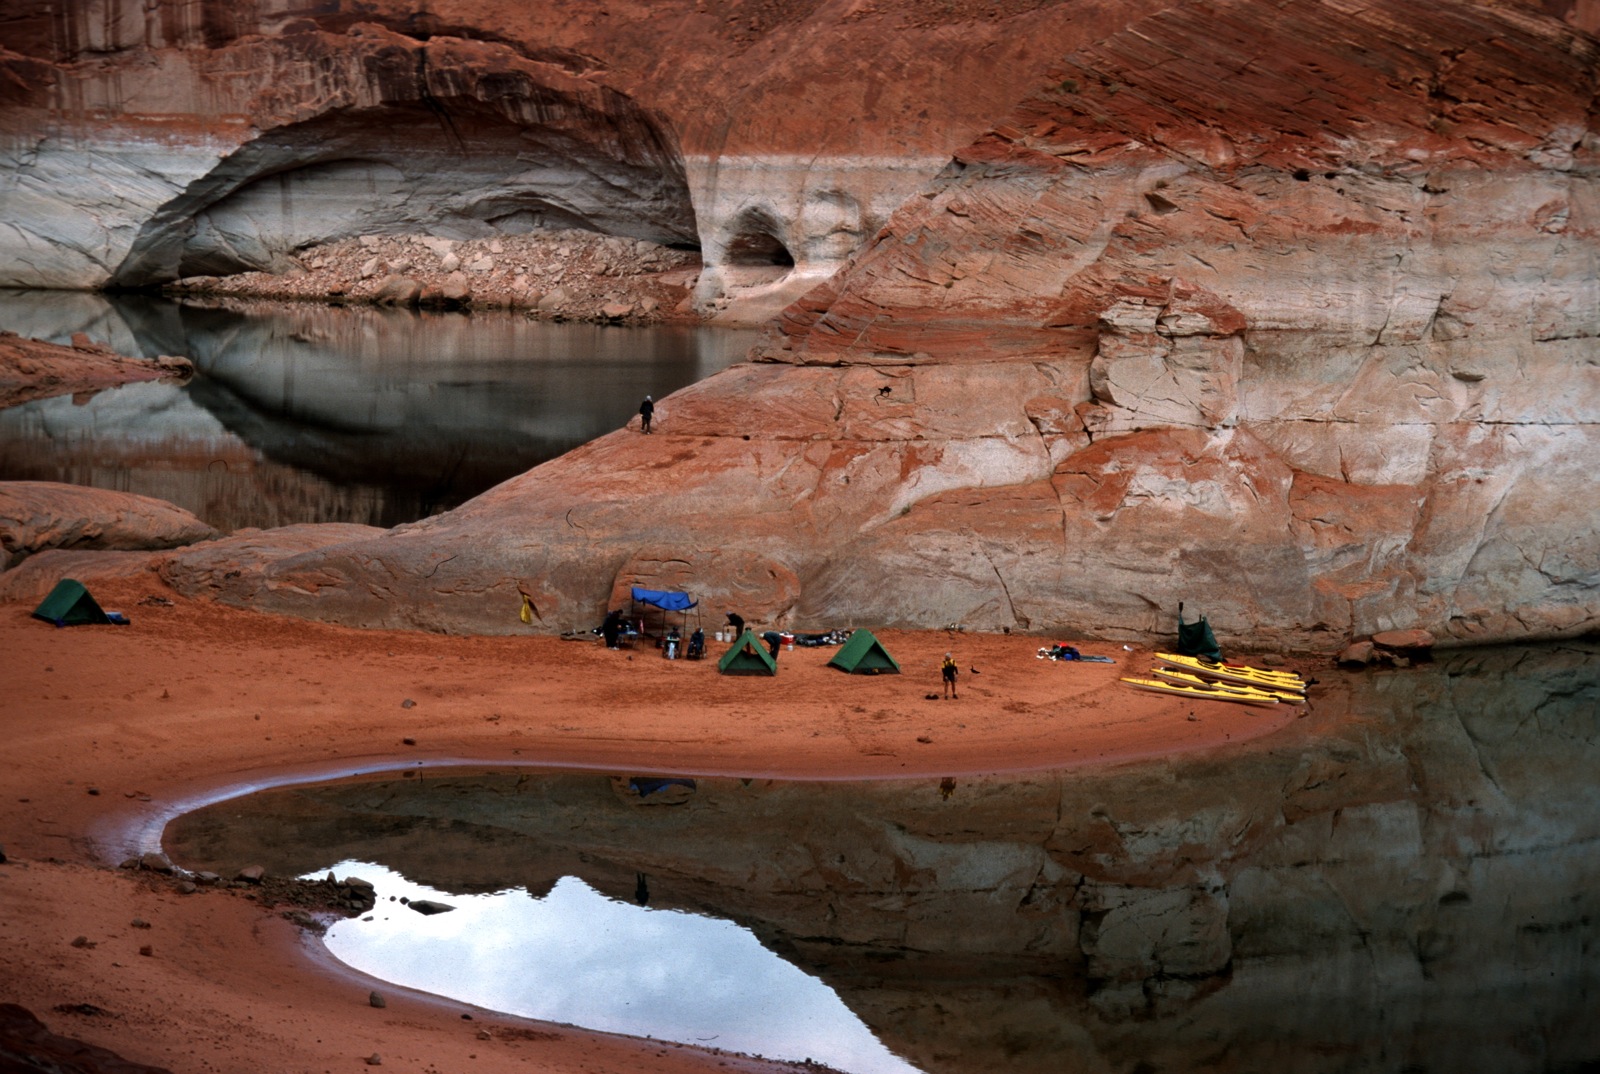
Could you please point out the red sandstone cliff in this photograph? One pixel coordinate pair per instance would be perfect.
(775, 137)
(1285, 310)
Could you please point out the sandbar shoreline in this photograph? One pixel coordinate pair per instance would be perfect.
(111, 729)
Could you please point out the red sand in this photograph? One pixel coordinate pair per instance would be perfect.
(106, 728)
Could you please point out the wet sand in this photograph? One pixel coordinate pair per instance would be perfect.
(108, 729)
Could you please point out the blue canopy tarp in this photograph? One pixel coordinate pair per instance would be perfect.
(671, 602)
(667, 602)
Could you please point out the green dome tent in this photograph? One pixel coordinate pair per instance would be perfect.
(69, 604)
(747, 657)
(864, 654)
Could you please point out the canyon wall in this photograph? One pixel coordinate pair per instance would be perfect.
(1289, 311)
(1328, 329)
(140, 143)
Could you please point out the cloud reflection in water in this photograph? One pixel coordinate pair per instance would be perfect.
(578, 957)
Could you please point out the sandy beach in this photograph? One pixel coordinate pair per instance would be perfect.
(109, 730)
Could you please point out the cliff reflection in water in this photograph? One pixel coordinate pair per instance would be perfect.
(1406, 880)
(310, 413)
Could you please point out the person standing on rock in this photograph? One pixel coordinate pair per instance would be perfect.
(948, 671)
(647, 410)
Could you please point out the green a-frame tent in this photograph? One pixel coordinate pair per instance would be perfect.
(747, 657)
(864, 654)
(69, 604)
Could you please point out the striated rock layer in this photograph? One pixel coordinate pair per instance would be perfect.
(1338, 319)
(144, 142)
(1314, 350)
(309, 136)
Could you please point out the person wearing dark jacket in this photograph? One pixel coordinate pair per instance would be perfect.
(736, 621)
(647, 410)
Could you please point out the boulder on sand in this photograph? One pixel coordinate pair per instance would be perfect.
(1404, 641)
(397, 291)
(40, 515)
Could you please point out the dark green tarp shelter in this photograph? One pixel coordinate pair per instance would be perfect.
(747, 657)
(864, 654)
(69, 604)
(1196, 639)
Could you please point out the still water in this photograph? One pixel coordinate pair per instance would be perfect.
(575, 956)
(311, 413)
(1406, 880)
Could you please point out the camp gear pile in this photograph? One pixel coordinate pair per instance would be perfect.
(1196, 639)
(1062, 651)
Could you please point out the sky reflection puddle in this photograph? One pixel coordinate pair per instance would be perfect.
(578, 957)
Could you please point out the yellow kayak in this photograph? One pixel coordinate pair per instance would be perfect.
(1242, 696)
(1235, 673)
(1183, 678)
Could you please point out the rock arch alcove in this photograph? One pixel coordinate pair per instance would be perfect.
(755, 250)
(327, 136)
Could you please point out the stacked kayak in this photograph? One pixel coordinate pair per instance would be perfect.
(1212, 680)
(1238, 674)
(1244, 695)
(1184, 678)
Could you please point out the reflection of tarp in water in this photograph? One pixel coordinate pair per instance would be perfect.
(653, 790)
